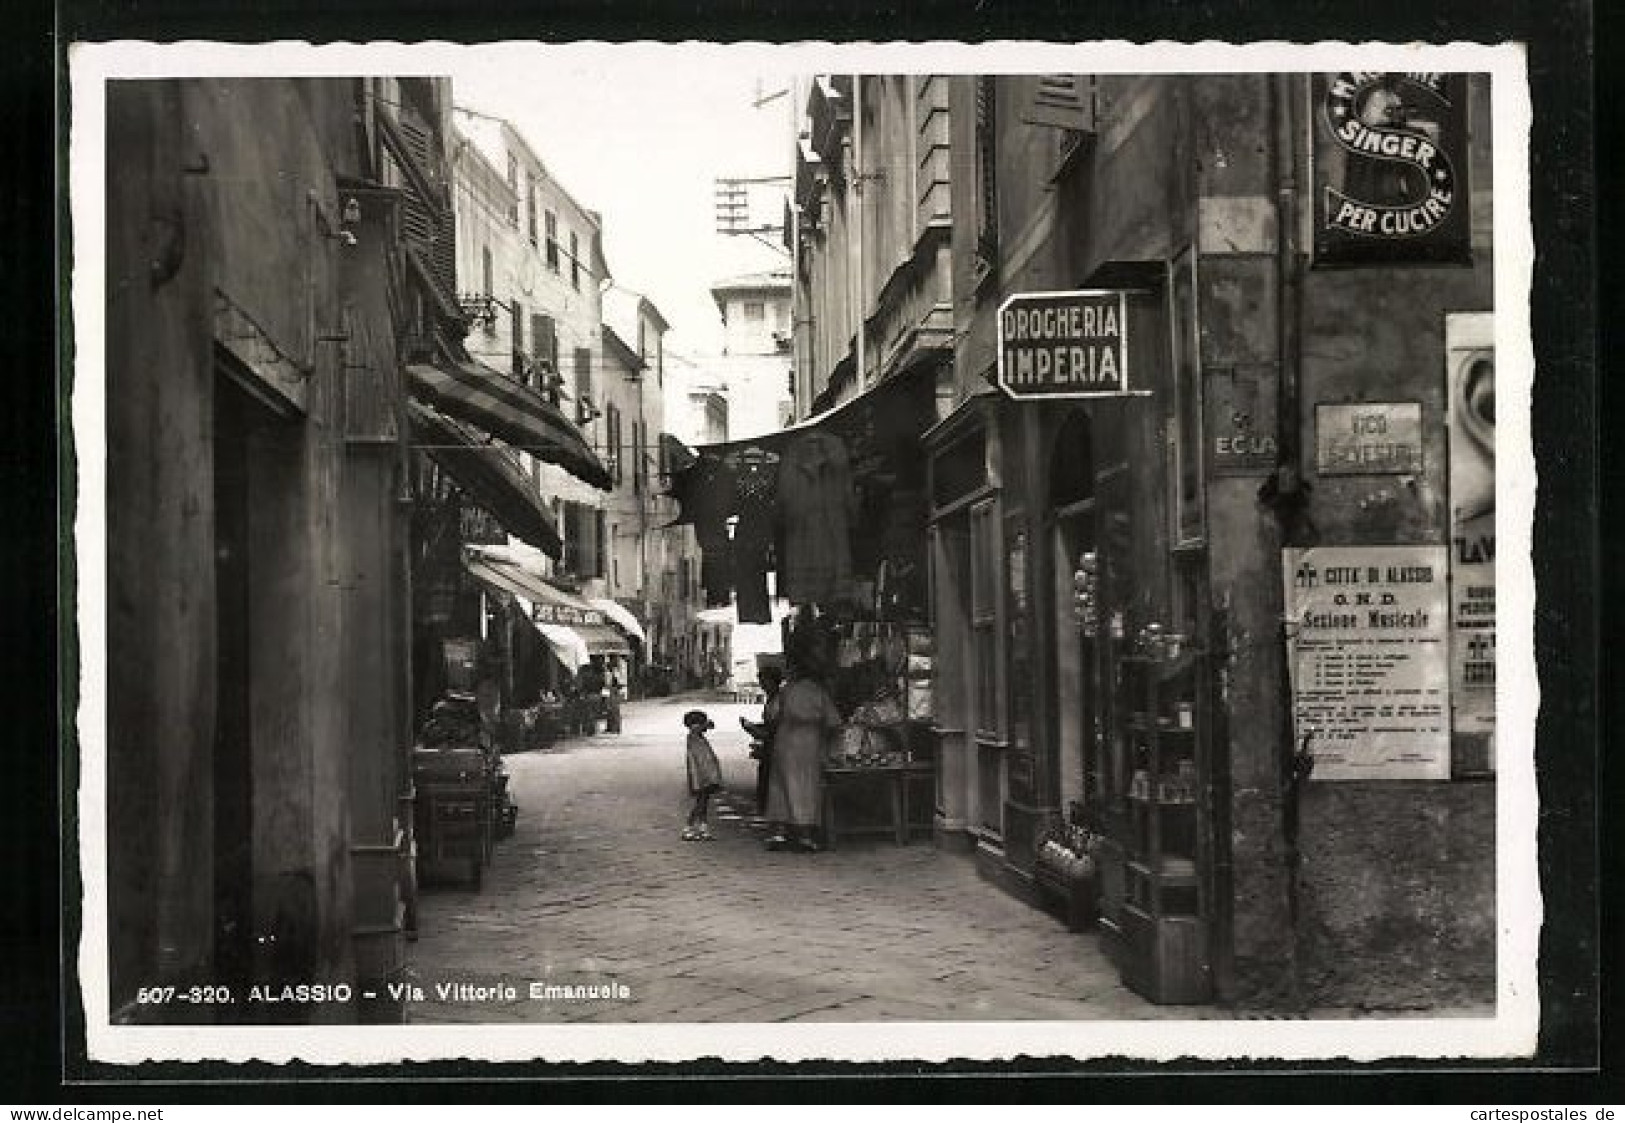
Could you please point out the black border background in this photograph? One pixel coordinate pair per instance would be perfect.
(41, 1062)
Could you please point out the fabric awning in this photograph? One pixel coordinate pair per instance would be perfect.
(621, 616)
(474, 393)
(553, 610)
(601, 639)
(570, 648)
(489, 474)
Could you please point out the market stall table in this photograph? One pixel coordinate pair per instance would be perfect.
(897, 778)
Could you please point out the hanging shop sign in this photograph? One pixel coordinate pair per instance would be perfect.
(566, 614)
(1390, 168)
(1470, 382)
(1368, 631)
(1368, 438)
(1064, 344)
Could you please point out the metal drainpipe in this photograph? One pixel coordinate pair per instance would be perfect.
(1289, 473)
(857, 208)
(1289, 494)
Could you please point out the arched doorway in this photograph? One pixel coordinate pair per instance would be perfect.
(1071, 520)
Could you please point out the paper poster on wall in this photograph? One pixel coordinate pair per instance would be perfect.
(1368, 649)
(1470, 383)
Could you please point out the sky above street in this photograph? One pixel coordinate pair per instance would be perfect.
(643, 146)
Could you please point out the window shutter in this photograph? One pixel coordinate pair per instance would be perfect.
(1061, 101)
(599, 526)
(987, 190)
(544, 339)
(584, 371)
(519, 341)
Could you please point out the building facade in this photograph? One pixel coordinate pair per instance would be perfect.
(531, 261)
(1111, 571)
(259, 691)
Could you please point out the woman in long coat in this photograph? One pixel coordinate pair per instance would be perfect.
(807, 720)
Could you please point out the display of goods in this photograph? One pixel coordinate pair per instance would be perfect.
(890, 758)
(450, 730)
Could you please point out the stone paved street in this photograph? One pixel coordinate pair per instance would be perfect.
(597, 887)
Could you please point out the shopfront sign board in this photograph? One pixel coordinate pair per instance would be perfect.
(1368, 646)
(1368, 438)
(1070, 344)
(566, 614)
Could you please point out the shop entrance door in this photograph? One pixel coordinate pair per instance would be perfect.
(1077, 714)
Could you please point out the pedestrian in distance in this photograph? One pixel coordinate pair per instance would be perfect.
(613, 689)
(704, 776)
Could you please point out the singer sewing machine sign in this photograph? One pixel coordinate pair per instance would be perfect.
(1390, 168)
(1064, 344)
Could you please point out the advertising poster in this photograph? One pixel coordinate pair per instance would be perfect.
(1390, 173)
(1368, 635)
(1470, 381)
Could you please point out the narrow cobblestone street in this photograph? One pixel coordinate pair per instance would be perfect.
(596, 887)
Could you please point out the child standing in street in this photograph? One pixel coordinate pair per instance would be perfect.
(704, 776)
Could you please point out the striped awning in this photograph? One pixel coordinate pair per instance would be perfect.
(510, 411)
(621, 616)
(499, 569)
(489, 474)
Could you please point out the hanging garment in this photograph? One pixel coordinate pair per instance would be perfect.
(717, 572)
(709, 499)
(816, 502)
(756, 487)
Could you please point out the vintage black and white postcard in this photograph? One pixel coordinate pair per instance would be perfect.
(859, 552)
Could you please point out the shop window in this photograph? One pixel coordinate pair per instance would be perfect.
(1188, 436)
(986, 567)
(960, 469)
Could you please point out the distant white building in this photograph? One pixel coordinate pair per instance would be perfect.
(755, 362)
(698, 411)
